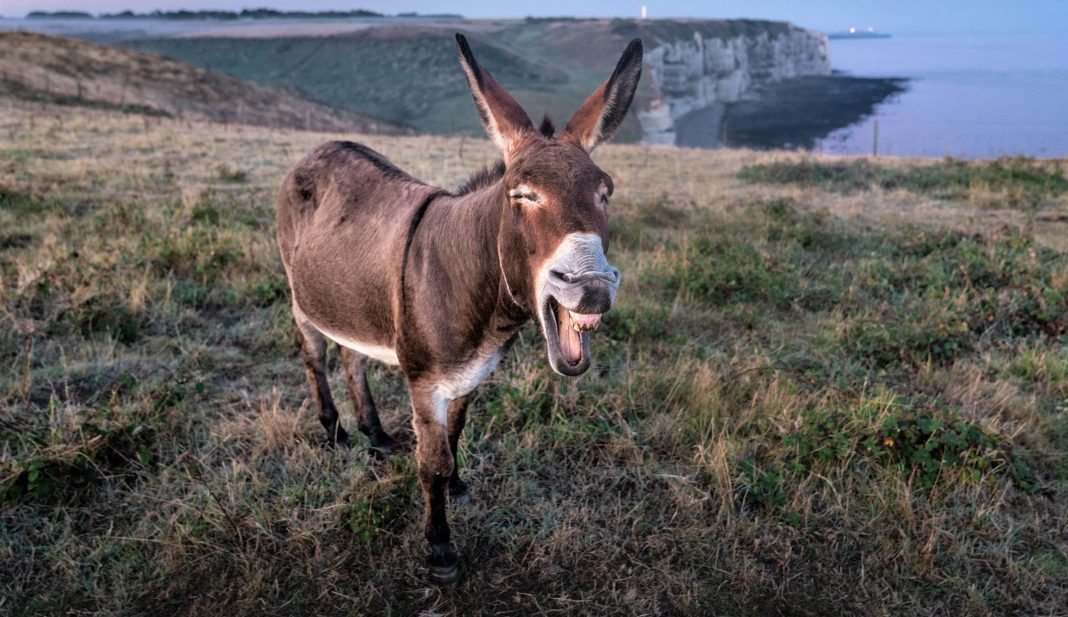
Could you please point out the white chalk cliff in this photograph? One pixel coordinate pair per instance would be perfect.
(702, 74)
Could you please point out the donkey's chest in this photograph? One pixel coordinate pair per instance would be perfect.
(462, 380)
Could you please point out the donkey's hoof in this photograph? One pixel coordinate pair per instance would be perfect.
(339, 438)
(445, 575)
(443, 564)
(458, 493)
(382, 446)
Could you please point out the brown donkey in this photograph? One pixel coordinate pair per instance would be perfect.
(440, 283)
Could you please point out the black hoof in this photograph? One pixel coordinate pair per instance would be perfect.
(382, 445)
(337, 438)
(443, 565)
(458, 493)
(445, 575)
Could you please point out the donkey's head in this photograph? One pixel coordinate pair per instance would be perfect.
(554, 225)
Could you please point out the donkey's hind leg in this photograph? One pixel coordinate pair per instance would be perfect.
(313, 352)
(355, 365)
(457, 417)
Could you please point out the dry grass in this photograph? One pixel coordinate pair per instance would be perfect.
(805, 402)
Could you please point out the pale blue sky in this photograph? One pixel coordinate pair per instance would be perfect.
(901, 16)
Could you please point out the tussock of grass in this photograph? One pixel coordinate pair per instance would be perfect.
(1013, 181)
(789, 412)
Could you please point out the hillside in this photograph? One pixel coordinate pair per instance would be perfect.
(827, 387)
(37, 67)
(408, 73)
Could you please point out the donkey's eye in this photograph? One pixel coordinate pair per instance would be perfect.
(527, 196)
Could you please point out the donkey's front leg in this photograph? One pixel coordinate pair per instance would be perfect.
(430, 420)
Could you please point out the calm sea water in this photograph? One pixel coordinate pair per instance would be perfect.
(970, 96)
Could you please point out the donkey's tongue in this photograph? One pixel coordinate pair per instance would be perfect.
(570, 339)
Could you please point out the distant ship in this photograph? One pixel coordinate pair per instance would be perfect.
(857, 33)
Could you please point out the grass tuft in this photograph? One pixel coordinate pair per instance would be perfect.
(1016, 182)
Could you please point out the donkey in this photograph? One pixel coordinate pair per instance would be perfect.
(440, 283)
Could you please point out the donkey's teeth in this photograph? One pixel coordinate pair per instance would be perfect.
(585, 323)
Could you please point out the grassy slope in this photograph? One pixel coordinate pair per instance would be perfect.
(38, 67)
(824, 390)
(403, 74)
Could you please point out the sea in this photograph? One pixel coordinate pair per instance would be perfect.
(968, 95)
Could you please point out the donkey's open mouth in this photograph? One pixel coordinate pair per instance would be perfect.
(567, 335)
(578, 285)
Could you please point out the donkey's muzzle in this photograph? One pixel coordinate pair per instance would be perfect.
(578, 286)
(588, 291)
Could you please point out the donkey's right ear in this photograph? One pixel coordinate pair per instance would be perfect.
(504, 119)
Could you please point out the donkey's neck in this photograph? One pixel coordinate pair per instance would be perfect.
(455, 250)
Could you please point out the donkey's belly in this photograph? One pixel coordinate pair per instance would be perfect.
(371, 350)
(349, 307)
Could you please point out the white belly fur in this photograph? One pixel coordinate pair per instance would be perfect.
(454, 386)
(462, 382)
(378, 352)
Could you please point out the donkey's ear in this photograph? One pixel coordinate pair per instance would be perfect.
(601, 114)
(504, 119)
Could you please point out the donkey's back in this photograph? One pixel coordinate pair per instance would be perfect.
(344, 196)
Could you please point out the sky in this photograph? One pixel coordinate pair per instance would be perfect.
(897, 16)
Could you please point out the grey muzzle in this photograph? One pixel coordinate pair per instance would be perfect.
(580, 278)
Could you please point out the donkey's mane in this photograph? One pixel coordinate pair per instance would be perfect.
(482, 178)
(492, 173)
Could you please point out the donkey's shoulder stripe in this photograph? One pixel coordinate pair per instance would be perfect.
(412, 226)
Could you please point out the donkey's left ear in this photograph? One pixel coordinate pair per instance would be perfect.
(602, 113)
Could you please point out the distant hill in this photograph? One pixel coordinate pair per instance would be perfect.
(58, 15)
(78, 72)
(243, 14)
(404, 73)
(408, 73)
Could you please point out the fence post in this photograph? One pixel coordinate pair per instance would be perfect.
(875, 139)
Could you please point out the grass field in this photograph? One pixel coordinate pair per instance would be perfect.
(828, 387)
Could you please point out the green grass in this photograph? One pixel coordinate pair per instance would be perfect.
(790, 412)
(1018, 182)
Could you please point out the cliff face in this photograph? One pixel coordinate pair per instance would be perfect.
(694, 78)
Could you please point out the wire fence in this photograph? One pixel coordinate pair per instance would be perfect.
(956, 139)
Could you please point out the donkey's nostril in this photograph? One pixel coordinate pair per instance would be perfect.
(610, 276)
(561, 277)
